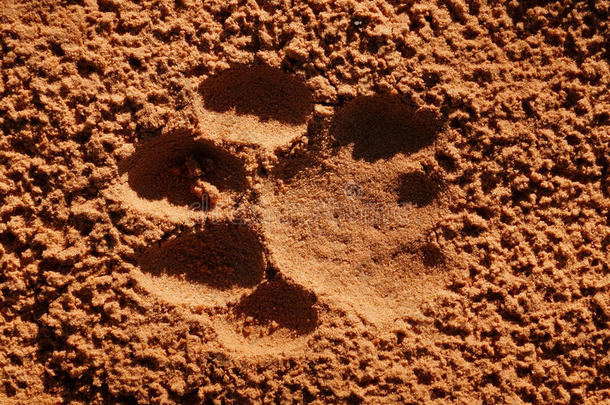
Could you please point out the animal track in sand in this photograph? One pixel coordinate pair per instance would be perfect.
(223, 256)
(353, 227)
(381, 127)
(361, 220)
(272, 95)
(254, 105)
(171, 167)
(279, 303)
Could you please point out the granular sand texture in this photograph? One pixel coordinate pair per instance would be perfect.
(318, 202)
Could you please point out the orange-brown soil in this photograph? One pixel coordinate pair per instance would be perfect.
(304, 202)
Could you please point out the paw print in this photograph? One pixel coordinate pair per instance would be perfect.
(224, 256)
(343, 223)
(184, 172)
(356, 223)
(381, 127)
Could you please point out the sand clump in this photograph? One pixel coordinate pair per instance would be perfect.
(323, 202)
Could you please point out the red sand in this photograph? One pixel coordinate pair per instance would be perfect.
(322, 202)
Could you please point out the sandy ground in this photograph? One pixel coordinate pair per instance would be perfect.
(287, 202)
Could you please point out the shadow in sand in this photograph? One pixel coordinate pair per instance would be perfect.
(417, 188)
(221, 256)
(289, 305)
(268, 93)
(379, 127)
(150, 168)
